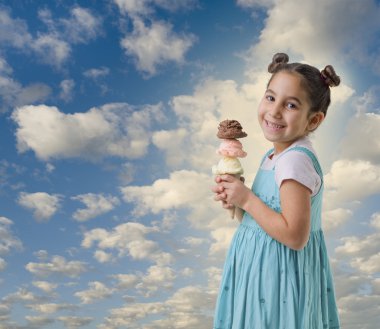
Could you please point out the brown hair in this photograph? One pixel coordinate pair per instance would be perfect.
(317, 83)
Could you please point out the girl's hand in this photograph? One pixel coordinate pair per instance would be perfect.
(231, 191)
(220, 195)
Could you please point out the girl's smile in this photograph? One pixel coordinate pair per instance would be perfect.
(273, 126)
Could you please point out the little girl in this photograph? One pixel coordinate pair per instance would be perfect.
(277, 273)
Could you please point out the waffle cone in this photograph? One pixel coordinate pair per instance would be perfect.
(233, 210)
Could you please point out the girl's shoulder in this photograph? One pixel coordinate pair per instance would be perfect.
(301, 150)
(298, 162)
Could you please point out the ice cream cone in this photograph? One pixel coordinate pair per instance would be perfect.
(233, 210)
(230, 149)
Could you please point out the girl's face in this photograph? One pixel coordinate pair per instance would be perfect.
(284, 111)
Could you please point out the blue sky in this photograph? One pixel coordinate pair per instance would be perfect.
(109, 111)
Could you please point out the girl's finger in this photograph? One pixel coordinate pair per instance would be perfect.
(220, 197)
(226, 178)
(217, 189)
(227, 205)
(218, 179)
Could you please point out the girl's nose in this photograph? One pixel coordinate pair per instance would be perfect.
(275, 111)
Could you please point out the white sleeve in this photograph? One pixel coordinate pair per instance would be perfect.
(299, 167)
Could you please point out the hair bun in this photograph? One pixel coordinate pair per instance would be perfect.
(278, 60)
(330, 77)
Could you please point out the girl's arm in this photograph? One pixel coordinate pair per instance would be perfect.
(291, 227)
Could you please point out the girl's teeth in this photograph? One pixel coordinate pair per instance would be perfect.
(270, 124)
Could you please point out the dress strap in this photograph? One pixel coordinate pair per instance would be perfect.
(311, 155)
(266, 155)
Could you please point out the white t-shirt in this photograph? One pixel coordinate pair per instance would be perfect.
(295, 165)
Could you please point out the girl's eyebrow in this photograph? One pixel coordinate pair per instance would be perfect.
(290, 97)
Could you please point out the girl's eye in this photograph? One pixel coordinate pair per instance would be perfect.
(291, 106)
(270, 98)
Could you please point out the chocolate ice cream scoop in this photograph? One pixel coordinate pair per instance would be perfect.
(230, 129)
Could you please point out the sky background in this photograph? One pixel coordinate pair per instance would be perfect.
(108, 114)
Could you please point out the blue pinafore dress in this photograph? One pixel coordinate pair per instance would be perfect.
(266, 285)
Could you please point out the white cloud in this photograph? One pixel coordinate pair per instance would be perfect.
(348, 283)
(4, 310)
(96, 204)
(193, 241)
(127, 238)
(74, 322)
(335, 218)
(361, 140)
(55, 47)
(359, 247)
(369, 265)
(155, 45)
(256, 3)
(8, 241)
(103, 257)
(82, 26)
(189, 307)
(12, 93)
(189, 299)
(3, 264)
(312, 31)
(57, 266)
(128, 316)
(5, 68)
(214, 275)
(13, 32)
(32, 93)
(45, 286)
(173, 5)
(38, 321)
(359, 311)
(111, 130)
(364, 181)
(22, 295)
(376, 286)
(50, 308)
(133, 7)
(146, 7)
(96, 73)
(156, 278)
(50, 167)
(51, 49)
(171, 142)
(67, 87)
(41, 254)
(166, 194)
(222, 237)
(187, 272)
(126, 281)
(375, 220)
(97, 291)
(43, 205)
(127, 172)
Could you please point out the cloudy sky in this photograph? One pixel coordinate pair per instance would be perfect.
(109, 112)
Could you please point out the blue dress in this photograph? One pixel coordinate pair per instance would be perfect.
(266, 285)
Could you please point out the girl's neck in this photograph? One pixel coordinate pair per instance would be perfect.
(280, 147)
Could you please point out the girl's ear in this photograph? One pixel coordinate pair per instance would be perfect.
(315, 120)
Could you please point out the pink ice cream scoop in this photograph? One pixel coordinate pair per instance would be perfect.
(231, 148)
